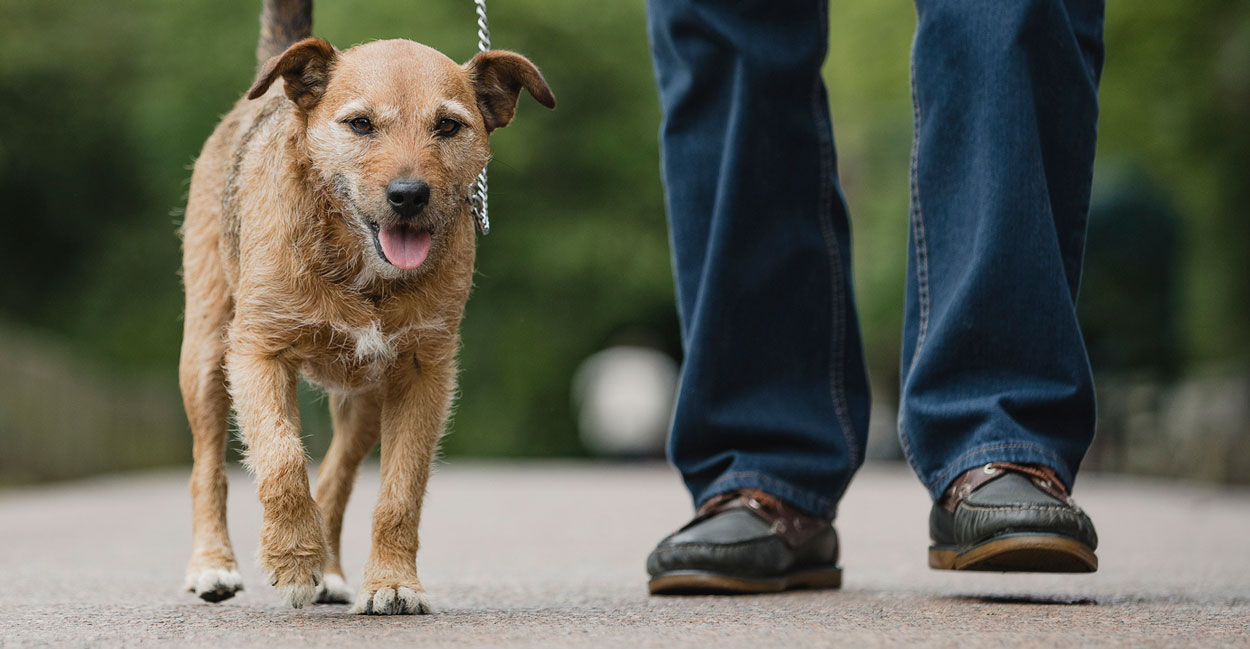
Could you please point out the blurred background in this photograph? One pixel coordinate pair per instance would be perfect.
(570, 339)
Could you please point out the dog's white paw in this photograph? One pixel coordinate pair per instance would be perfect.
(298, 595)
(214, 584)
(388, 600)
(297, 588)
(334, 590)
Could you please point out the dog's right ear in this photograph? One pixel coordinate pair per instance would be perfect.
(305, 69)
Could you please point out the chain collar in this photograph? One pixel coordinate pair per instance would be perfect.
(477, 192)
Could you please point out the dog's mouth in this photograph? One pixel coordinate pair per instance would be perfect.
(402, 246)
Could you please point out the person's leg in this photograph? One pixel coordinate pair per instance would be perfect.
(772, 411)
(994, 367)
(773, 389)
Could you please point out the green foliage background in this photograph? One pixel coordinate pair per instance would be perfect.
(105, 106)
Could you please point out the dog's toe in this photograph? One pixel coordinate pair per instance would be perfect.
(398, 600)
(413, 602)
(383, 602)
(214, 584)
(334, 590)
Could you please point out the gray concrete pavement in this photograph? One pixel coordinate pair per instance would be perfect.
(551, 555)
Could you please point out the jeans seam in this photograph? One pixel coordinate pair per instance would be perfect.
(922, 263)
(905, 442)
(837, 383)
(922, 245)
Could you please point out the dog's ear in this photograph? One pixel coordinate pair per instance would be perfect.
(498, 76)
(305, 68)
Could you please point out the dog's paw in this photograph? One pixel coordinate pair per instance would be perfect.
(298, 595)
(393, 599)
(298, 582)
(297, 578)
(293, 554)
(214, 584)
(334, 590)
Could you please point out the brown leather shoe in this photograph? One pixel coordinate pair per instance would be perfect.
(746, 541)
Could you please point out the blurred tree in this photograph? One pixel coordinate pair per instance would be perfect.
(61, 199)
(1176, 101)
(1131, 281)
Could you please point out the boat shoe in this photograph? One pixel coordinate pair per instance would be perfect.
(1010, 518)
(746, 541)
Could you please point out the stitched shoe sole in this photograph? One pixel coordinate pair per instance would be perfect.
(1018, 553)
(692, 582)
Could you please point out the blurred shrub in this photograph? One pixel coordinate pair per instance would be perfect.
(1131, 285)
(63, 418)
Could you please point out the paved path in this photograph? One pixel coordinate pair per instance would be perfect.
(551, 555)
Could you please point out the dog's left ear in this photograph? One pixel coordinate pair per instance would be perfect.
(498, 76)
(304, 68)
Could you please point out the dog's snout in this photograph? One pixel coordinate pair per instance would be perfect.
(408, 197)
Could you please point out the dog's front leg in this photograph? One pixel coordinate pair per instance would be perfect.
(292, 537)
(418, 398)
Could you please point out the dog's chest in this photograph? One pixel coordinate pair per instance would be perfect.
(351, 360)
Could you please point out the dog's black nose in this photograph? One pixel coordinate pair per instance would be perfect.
(408, 197)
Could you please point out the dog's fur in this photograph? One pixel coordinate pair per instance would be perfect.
(284, 276)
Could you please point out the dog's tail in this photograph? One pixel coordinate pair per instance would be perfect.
(282, 23)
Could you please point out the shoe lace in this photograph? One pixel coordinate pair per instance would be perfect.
(1043, 477)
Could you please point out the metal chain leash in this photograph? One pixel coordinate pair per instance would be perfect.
(477, 193)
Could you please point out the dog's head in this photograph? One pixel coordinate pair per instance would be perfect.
(396, 133)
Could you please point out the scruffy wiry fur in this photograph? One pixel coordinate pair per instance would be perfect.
(283, 278)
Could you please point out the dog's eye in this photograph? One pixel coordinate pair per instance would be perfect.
(447, 127)
(361, 125)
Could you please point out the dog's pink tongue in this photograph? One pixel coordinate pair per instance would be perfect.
(403, 246)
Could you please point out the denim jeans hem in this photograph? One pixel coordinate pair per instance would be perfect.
(1019, 453)
(814, 504)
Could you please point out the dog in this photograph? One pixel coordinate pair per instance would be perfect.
(328, 234)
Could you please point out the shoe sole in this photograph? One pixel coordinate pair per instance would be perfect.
(693, 582)
(1018, 553)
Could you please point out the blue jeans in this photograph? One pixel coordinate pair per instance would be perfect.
(774, 394)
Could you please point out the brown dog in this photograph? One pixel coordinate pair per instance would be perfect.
(328, 234)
